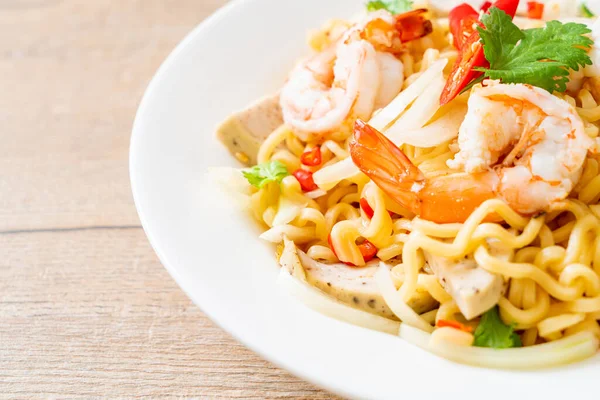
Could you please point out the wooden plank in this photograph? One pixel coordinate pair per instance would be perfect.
(92, 313)
(72, 74)
(88, 311)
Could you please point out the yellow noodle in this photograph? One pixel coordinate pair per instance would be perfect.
(272, 142)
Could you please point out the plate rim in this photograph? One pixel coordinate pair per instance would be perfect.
(279, 362)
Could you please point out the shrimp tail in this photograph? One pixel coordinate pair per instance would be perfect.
(386, 165)
(413, 25)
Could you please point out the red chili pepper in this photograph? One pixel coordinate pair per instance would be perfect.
(366, 207)
(367, 249)
(312, 158)
(486, 6)
(463, 20)
(471, 54)
(306, 180)
(334, 252)
(535, 10)
(470, 57)
(454, 324)
(508, 6)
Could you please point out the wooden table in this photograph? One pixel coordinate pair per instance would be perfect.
(86, 309)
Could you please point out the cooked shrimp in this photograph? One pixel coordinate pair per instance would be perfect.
(351, 78)
(322, 93)
(392, 78)
(444, 199)
(540, 139)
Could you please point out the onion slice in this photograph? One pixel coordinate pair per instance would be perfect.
(299, 235)
(315, 194)
(330, 176)
(422, 110)
(438, 132)
(386, 117)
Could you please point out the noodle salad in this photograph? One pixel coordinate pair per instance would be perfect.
(432, 171)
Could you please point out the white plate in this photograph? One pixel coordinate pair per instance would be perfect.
(212, 250)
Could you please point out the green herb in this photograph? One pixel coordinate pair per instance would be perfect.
(260, 175)
(494, 333)
(393, 6)
(586, 11)
(473, 83)
(540, 57)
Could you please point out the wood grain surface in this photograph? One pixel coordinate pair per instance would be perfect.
(86, 309)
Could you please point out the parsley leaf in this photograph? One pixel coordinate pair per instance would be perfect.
(393, 6)
(473, 83)
(494, 333)
(260, 175)
(541, 57)
(585, 10)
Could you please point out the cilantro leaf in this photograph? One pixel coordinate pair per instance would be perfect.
(541, 57)
(393, 6)
(585, 10)
(260, 175)
(494, 333)
(473, 83)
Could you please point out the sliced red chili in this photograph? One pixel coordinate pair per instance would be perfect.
(486, 6)
(312, 158)
(334, 252)
(306, 180)
(463, 20)
(535, 10)
(366, 248)
(508, 6)
(366, 207)
(454, 324)
(471, 55)
(462, 74)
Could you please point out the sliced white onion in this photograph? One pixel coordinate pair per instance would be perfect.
(330, 176)
(394, 300)
(392, 112)
(438, 132)
(331, 307)
(287, 210)
(564, 351)
(422, 110)
(298, 235)
(315, 194)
